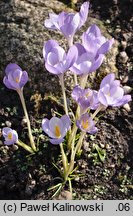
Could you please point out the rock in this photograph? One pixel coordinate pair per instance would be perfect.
(30, 187)
(127, 36)
(23, 122)
(8, 123)
(124, 44)
(65, 195)
(127, 89)
(15, 147)
(127, 107)
(124, 79)
(123, 57)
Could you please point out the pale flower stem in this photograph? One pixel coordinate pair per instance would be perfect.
(64, 160)
(69, 170)
(61, 77)
(70, 43)
(83, 80)
(75, 79)
(27, 119)
(72, 137)
(80, 141)
(26, 147)
(97, 111)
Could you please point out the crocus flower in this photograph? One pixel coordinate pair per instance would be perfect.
(15, 78)
(56, 128)
(86, 124)
(86, 98)
(110, 93)
(94, 42)
(57, 61)
(10, 136)
(68, 23)
(86, 61)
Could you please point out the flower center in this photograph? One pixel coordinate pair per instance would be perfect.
(85, 124)
(17, 80)
(9, 136)
(108, 93)
(88, 94)
(57, 131)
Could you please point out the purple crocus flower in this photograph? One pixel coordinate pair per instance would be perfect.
(110, 93)
(10, 136)
(94, 42)
(86, 98)
(15, 78)
(57, 61)
(68, 23)
(86, 61)
(86, 124)
(56, 128)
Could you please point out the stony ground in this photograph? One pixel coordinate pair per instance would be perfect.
(104, 175)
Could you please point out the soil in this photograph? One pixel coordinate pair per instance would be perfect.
(104, 175)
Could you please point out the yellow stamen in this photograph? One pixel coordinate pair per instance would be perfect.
(85, 124)
(17, 80)
(57, 131)
(108, 93)
(9, 136)
(87, 94)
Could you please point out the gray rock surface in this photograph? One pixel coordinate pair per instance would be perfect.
(22, 34)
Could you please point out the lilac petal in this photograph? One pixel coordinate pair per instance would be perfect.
(105, 47)
(89, 43)
(76, 70)
(66, 121)
(60, 52)
(84, 67)
(94, 130)
(93, 29)
(24, 79)
(86, 119)
(12, 80)
(5, 131)
(124, 100)
(96, 64)
(102, 98)
(71, 56)
(56, 141)
(63, 16)
(15, 136)
(45, 126)
(52, 22)
(56, 56)
(81, 49)
(83, 13)
(48, 46)
(8, 84)
(52, 69)
(107, 80)
(85, 57)
(8, 142)
(11, 67)
(69, 28)
(116, 92)
(115, 83)
(54, 121)
(66, 124)
(76, 93)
